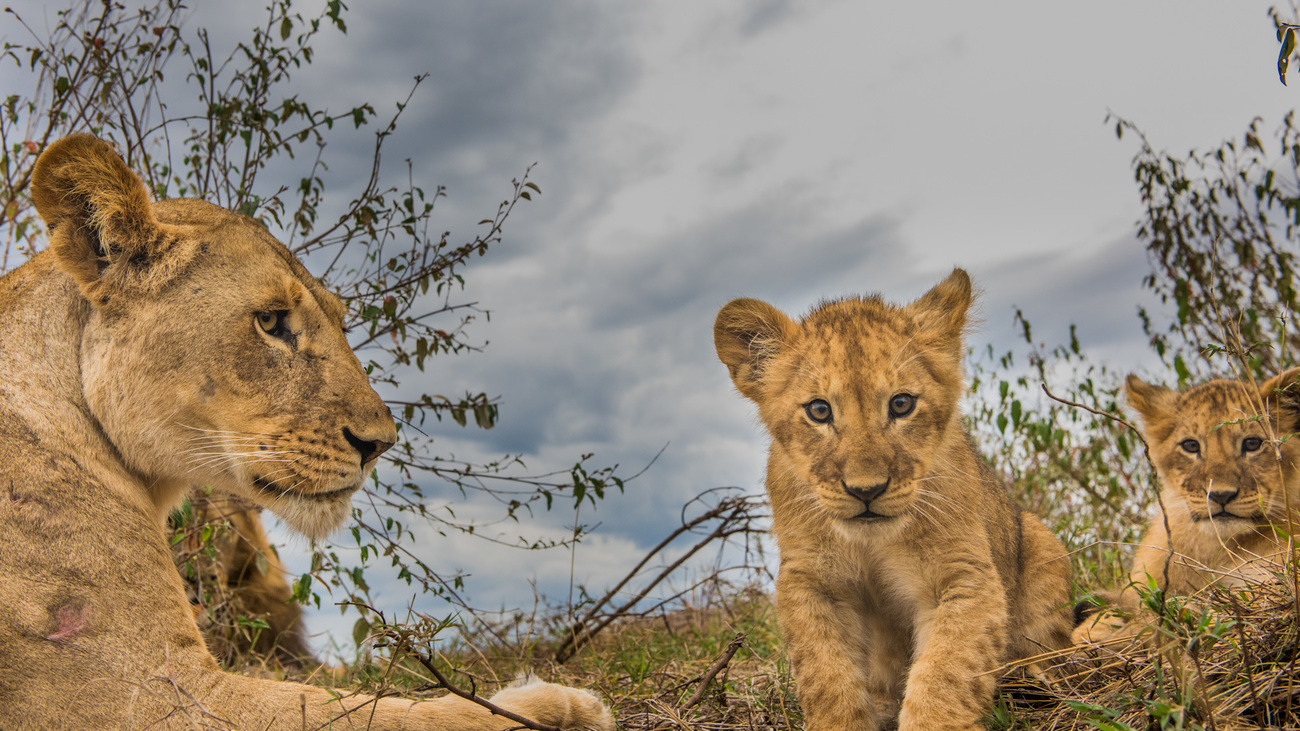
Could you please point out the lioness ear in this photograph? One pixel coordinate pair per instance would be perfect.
(101, 223)
(942, 311)
(1282, 395)
(747, 334)
(1150, 401)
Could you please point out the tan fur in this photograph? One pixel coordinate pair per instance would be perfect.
(1239, 542)
(906, 611)
(132, 366)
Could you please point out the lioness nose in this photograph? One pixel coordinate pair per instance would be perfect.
(369, 449)
(1223, 497)
(867, 494)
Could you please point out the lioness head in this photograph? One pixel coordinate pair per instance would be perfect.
(1211, 447)
(209, 356)
(857, 395)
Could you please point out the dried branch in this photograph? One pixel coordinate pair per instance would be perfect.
(736, 643)
(1146, 452)
(473, 697)
(735, 516)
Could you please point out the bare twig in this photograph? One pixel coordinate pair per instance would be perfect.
(496, 710)
(736, 643)
(1146, 452)
(735, 515)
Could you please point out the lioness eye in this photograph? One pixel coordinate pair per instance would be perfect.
(272, 323)
(818, 410)
(1191, 446)
(901, 405)
(1251, 444)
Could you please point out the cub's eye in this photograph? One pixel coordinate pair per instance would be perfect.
(818, 410)
(271, 323)
(901, 405)
(1251, 444)
(1191, 446)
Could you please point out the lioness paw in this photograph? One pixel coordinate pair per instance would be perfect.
(556, 705)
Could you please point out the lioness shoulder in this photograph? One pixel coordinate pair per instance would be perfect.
(907, 573)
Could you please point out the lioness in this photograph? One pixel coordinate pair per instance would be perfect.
(907, 574)
(1224, 490)
(145, 339)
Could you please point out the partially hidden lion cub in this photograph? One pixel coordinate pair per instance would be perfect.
(1225, 490)
(241, 592)
(151, 347)
(907, 575)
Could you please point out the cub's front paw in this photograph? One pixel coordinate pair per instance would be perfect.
(568, 708)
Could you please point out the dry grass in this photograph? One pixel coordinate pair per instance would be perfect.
(652, 670)
(1224, 664)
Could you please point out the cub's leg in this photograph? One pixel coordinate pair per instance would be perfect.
(1042, 618)
(842, 669)
(958, 642)
(1125, 617)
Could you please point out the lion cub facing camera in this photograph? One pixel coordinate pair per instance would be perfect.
(1225, 491)
(907, 574)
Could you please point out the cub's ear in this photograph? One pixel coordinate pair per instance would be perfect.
(941, 312)
(1282, 395)
(1150, 401)
(101, 223)
(747, 334)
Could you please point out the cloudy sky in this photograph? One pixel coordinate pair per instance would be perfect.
(690, 153)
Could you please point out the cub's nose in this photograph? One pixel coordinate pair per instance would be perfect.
(1223, 497)
(368, 448)
(866, 494)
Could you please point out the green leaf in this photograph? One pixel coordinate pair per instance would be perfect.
(1180, 367)
(360, 631)
(302, 589)
(286, 27)
(1284, 57)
